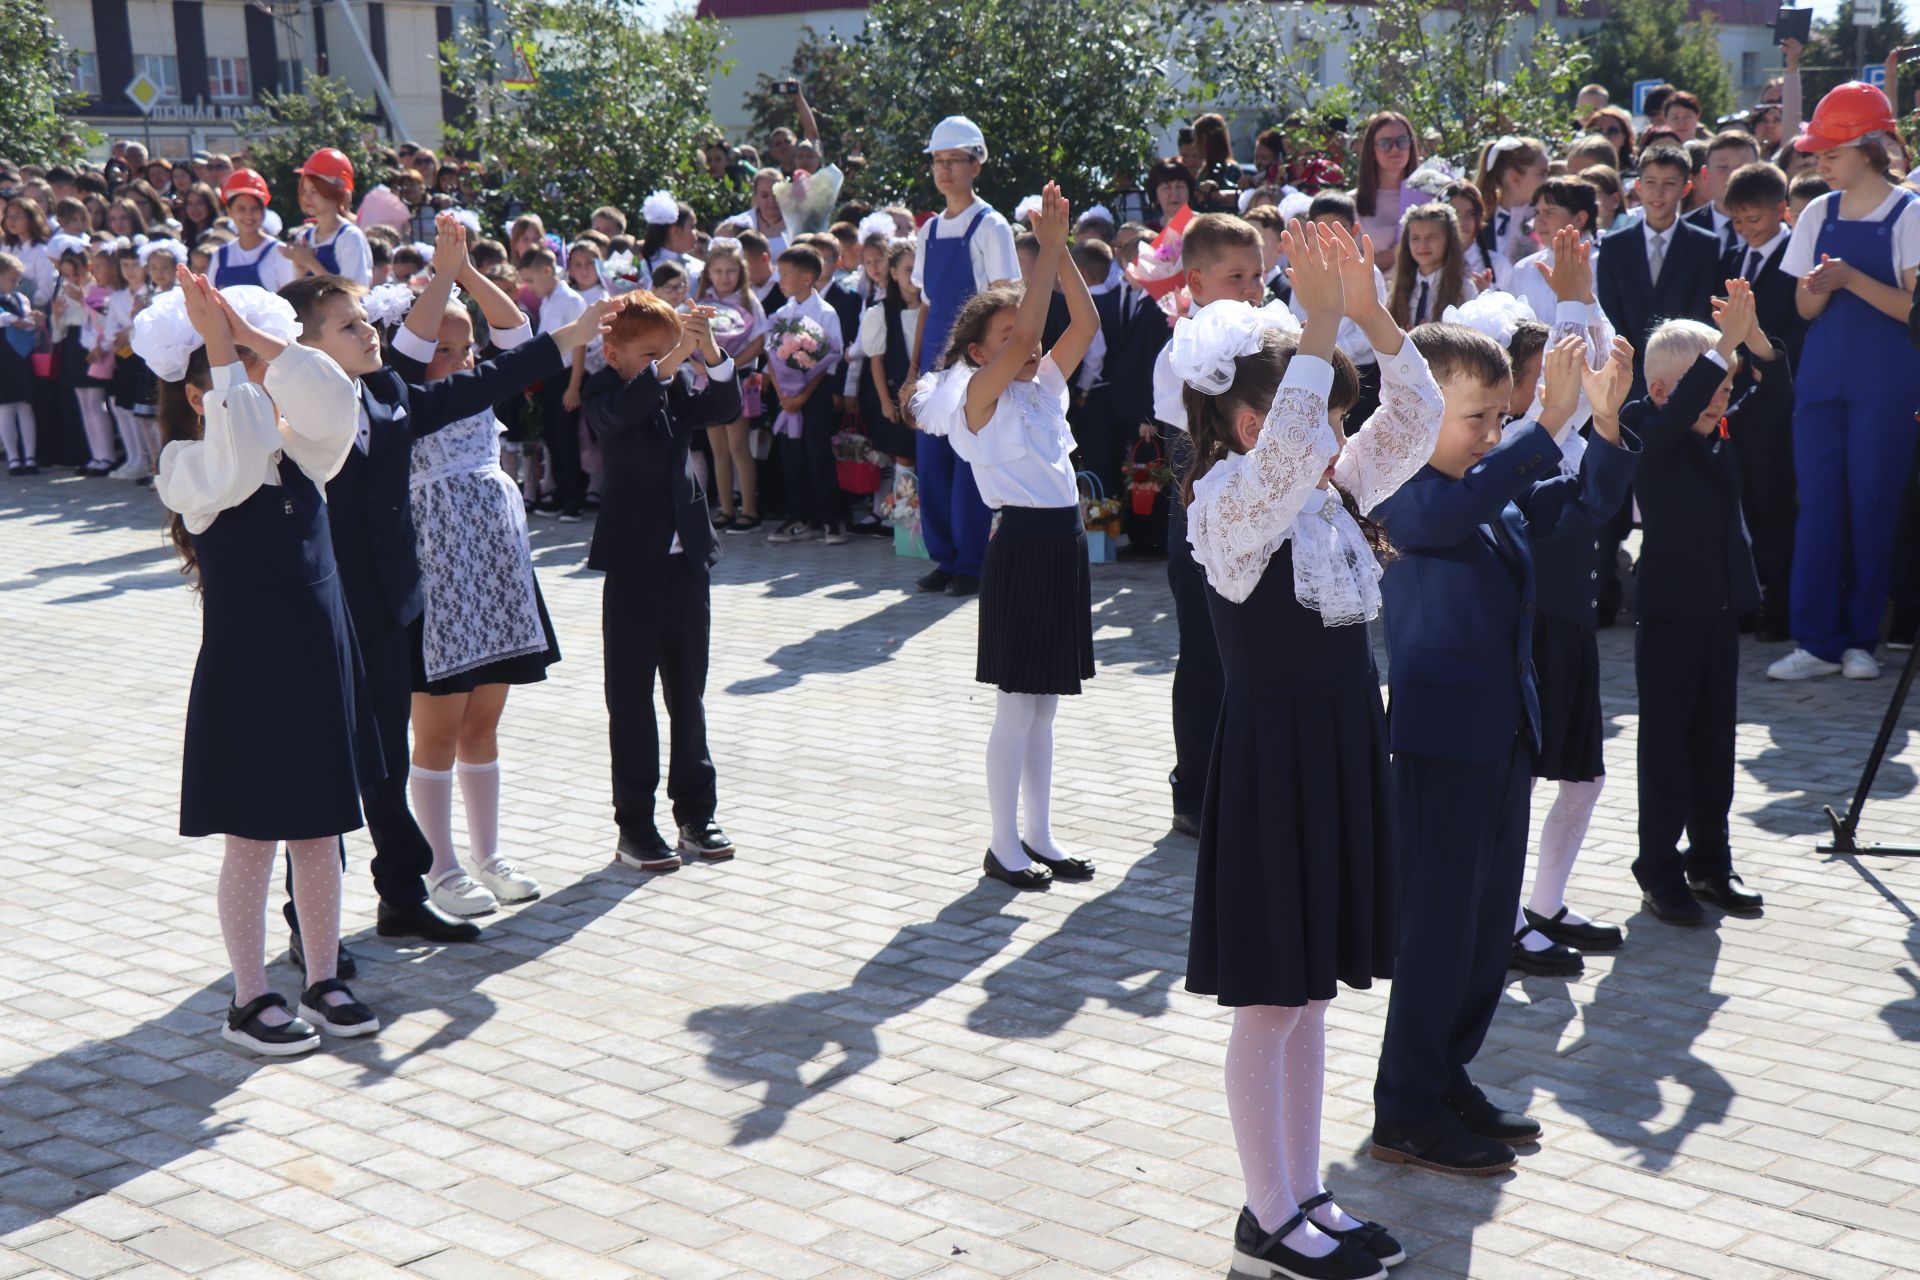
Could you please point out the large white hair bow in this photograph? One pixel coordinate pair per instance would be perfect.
(876, 224)
(166, 340)
(660, 209)
(1493, 313)
(1205, 345)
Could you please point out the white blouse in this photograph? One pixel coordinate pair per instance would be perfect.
(1247, 506)
(1021, 457)
(1579, 320)
(245, 434)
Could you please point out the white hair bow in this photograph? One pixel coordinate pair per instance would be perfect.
(166, 339)
(1493, 313)
(1206, 345)
(660, 209)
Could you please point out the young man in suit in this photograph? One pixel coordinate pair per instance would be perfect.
(654, 541)
(1659, 268)
(1464, 725)
(1696, 578)
(1756, 200)
(369, 512)
(1729, 150)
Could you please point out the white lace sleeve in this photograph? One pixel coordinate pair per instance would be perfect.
(1244, 505)
(1576, 320)
(1398, 439)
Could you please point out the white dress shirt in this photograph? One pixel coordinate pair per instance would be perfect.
(1664, 241)
(1800, 256)
(1021, 457)
(991, 249)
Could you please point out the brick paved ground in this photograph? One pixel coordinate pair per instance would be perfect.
(842, 1055)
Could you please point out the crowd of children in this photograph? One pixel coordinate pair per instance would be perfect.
(1438, 400)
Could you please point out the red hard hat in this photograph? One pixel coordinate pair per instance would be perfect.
(245, 182)
(1847, 114)
(330, 164)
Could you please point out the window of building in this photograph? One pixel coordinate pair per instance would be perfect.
(162, 69)
(86, 74)
(227, 80)
(1749, 68)
(292, 75)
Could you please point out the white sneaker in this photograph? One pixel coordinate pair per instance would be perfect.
(794, 531)
(835, 539)
(1801, 665)
(459, 894)
(1858, 664)
(129, 471)
(508, 882)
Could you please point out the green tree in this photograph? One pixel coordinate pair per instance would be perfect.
(1838, 51)
(1255, 56)
(286, 128)
(1066, 90)
(1467, 71)
(618, 108)
(1652, 39)
(37, 101)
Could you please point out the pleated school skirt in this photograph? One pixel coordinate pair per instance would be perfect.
(1036, 603)
(1566, 666)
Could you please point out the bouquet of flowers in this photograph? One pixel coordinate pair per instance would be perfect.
(622, 273)
(799, 343)
(1157, 269)
(729, 326)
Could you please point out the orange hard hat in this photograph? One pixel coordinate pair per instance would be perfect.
(1847, 114)
(245, 182)
(330, 164)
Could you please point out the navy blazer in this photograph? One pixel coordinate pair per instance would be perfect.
(1690, 277)
(1566, 554)
(369, 503)
(1134, 337)
(1773, 304)
(1460, 597)
(1703, 219)
(1696, 560)
(647, 494)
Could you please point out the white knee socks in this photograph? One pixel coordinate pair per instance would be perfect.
(19, 432)
(1036, 779)
(1262, 1109)
(480, 793)
(1006, 760)
(130, 438)
(1562, 833)
(96, 423)
(431, 791)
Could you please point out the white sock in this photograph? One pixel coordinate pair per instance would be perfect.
(1006, 758)
(29, 429)
(480, 794)
(1256, 1107)
(1562, 833)
(246, 873)
(1036, 779)
(1530, 938)
(431, 791)
(316, 897)
(10, 433)
(1304, 1085)
(96, 422)
(150, 439)
(130, 438)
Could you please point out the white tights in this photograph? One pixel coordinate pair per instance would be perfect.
(132, 439)
(95, 421)
(246, 875)
(19, 431)
(1276, 1074)
(1020, 772)
(1561, 834)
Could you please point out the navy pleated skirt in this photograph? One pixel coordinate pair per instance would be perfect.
(1036, 603)
(1566, 668)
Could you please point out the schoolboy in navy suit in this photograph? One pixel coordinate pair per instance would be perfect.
(369, 511)
(1636, 297)
(1696, 578)
(1464, 722)
(1756, 198)
(654, 541)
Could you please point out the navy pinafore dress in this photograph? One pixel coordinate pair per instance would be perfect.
(280, 732)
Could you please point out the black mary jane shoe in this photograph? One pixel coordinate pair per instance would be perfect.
(1591, 936)
(1485, 1120)
(1062, 868)
(345, 966)
(1261, 1255)
(348, 1020)
(1675, 906)
(1552, 961)
(1729, 893)
(1442, 1144)
(420, 920)
(16, 468)
(1370, 1236)
(1036, 876)
(245, 1029)
(1186, 824)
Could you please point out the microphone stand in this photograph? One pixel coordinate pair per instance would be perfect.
(1845, 827)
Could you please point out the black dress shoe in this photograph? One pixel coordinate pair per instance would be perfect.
(1261, 1254)
(1674, 906)
(648, 853)
(1187, 824)
(244, 1028)
(1036, 876)
(348, 1019)
(935, 581)
(343, 967)
(1484, 1120)
(1591, 936)
(422, 920)
(962, 585)
(1552, 961)
(1062, 868)
(1729, 893)
(1370, 1236)
(707, 840)
(1444, 1145)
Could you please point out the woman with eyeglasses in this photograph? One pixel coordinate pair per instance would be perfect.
(1616, 126)
(1388, 153)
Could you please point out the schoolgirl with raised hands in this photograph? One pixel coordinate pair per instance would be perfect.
(1294, 889)
(1001, 400)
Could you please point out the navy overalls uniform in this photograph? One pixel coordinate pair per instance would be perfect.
(234, 265)
(1464, 725)
(954, 520)
(1857, 386)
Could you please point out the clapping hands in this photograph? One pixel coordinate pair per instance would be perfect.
(1607, 388)
(1561, 369)
(1571, 276)
(449, 246)
(1053, 222)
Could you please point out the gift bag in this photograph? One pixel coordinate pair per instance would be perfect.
(1094, 514)
(853, 464)
(902, 511)
(1144, 483)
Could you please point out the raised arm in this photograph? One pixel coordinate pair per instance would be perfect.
(449, 260)
(985, 387)
(1393, 444)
